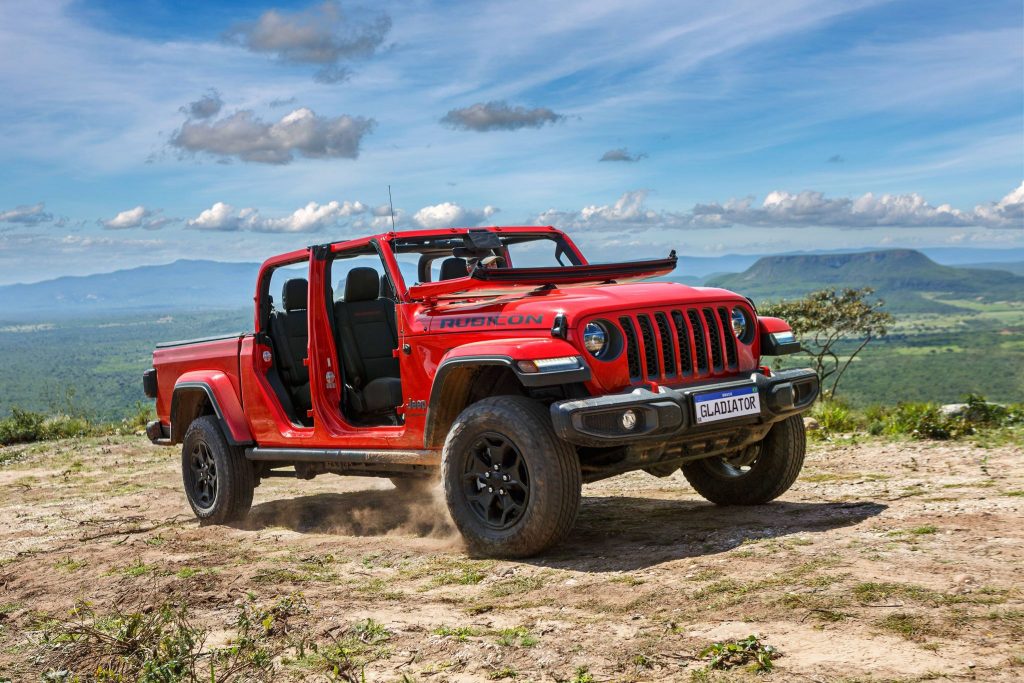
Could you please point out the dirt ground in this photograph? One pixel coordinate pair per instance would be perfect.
(886, 561)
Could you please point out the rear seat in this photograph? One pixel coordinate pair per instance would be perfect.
(288, 330)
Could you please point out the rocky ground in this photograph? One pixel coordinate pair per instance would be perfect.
(886, 561)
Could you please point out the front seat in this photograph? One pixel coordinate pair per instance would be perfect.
(289, 333)
(367, 339)
(453, 267)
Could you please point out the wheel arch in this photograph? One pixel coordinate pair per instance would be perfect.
(483, 369)
(199, 393)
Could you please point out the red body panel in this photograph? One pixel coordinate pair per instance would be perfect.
(515, 323)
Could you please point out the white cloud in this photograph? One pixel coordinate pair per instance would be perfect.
(248, 138)
(1009, 210)
(220, 216)
(28, 214)
(321, 35)
(782, 209)
(449, 214)
(312, 217)
(138, 217)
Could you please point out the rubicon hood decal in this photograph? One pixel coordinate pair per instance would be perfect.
(451, 322)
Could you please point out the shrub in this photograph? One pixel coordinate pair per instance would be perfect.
(834, 416)
(25, 426)
(749, 652)
(925, 421)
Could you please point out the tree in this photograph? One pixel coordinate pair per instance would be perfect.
(825, 319)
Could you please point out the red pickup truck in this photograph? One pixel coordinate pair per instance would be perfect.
(497, 359)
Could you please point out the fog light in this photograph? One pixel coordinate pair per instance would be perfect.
(629, 420)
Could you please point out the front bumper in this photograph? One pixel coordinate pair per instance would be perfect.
(668, 414)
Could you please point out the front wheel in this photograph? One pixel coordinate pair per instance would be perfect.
(218, 480)
(512, 486)
(756, 475)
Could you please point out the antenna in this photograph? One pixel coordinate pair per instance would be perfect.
(392, 205)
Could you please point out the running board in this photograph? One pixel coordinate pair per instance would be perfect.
(333, 455)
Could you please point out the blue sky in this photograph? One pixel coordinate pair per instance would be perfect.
(140, 132)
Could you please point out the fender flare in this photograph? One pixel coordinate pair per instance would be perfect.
(216, 388)
(503, 353)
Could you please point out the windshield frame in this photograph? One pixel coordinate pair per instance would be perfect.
(438, 244)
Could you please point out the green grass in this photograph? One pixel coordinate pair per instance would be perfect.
(459, 633)
(516, 586)
(749, 653)
(69, 564)
(517, 636)
(910, 626)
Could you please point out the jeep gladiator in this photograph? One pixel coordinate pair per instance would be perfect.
(498, 360)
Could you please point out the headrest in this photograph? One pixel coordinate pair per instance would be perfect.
(452, 268)
(294, 294)
(387, 291)
(362, 284)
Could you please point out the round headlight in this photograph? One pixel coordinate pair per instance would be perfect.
(595, 339)
(740, 323)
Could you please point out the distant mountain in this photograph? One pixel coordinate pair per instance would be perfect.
(183, 285)
(1015, 267)
(907, 279)
(203, 285)
(701, 267)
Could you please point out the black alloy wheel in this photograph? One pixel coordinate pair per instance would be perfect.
(204, 476)
(497, 481)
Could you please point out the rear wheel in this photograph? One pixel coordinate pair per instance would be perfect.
(512, 486)
(756, 475)
(218, 480)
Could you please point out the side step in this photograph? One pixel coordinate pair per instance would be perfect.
(342, 457)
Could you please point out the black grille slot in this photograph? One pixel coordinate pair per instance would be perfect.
(632, 350)
(716, 340)
(650, 348)
(730, 338)
(668, 353)
(699, 345)
(683, 337)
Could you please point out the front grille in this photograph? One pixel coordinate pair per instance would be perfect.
(730, 339)
(683, 338)
(700, 341)
(632, 349)
(715, 337)
(671, 344)
(651, 365)
(668, 351)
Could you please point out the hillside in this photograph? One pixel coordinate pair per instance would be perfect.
(181, 285)
(907, 279)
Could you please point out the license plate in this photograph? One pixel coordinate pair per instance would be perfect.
(730, 403)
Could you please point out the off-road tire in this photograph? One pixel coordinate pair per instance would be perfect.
(553, 475)
(776, 468)
(233, 474)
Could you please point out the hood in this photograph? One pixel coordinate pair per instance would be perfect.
(537, 309)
